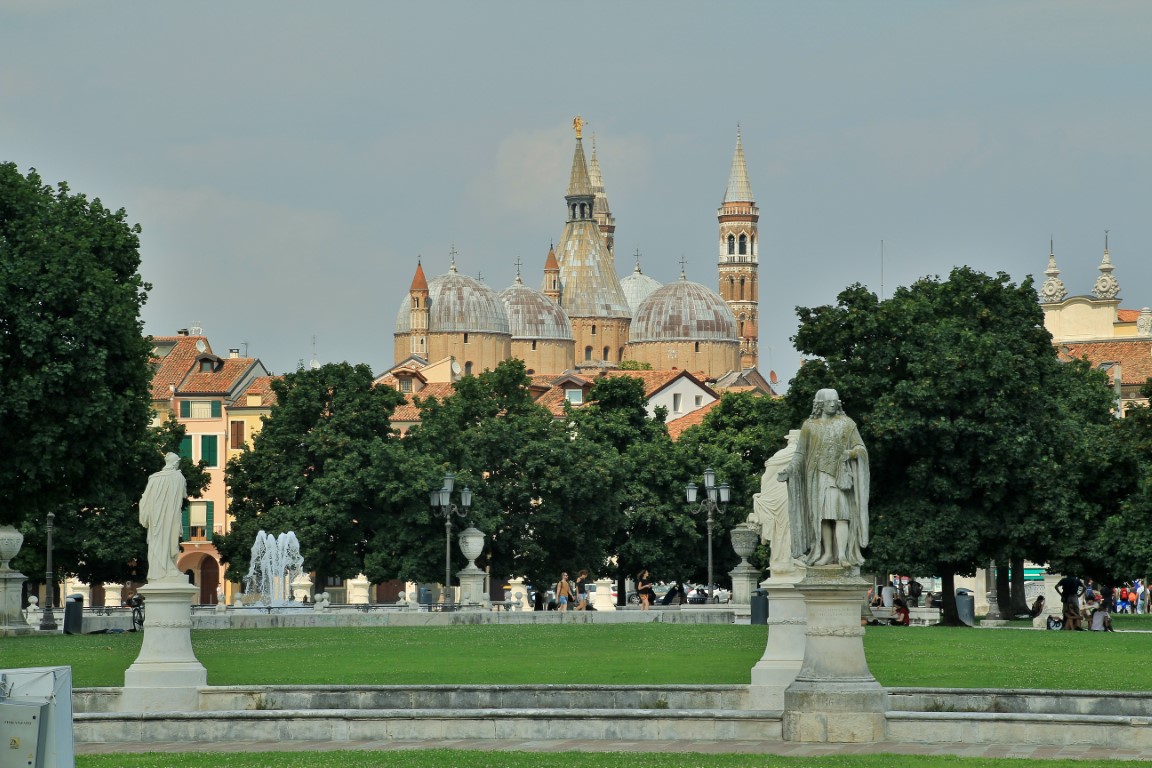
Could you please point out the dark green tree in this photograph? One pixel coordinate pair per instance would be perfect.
(542, 493)
(74, 364)
(951, 383)
(327, 466)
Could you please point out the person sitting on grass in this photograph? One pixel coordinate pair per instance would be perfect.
(1101, 619)
(901, 616)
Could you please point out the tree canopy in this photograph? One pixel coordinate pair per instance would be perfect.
(966, 411)
(74, 370)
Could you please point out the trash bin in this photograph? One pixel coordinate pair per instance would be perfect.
(759, 607)
(74, 615)
(966, 606)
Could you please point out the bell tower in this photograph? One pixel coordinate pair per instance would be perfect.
(739, 255)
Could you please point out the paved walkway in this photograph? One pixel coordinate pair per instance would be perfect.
(578, 745)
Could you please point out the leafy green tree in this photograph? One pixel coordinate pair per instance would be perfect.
(75, 382)
(327, 466)
(951, 383)
(543, 494)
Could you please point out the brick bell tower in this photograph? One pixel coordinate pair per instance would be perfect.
(739, 255)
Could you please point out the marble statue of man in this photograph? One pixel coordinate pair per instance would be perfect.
(770, 509)
(828, 487)
(160, 514)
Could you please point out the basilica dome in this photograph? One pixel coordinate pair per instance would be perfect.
(683, 311)
(458, 303)
(637, 287)
(532, 315)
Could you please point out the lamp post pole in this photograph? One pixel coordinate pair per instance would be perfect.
(48, 620)
(715, 497)
(441, 501)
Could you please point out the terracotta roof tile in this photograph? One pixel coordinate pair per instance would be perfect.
(174, 366)
(676, 427)
(408, 412)
(220, 381)
(262, 386)
(1134, 356)
(1127, 315)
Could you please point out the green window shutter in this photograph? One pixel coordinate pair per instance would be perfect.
(208, 452)
(215, 409)
(186, 447)
(208, 520)
(185, 523)
(185, 409)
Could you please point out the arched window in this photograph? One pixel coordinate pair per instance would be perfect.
(468, 368)
(588, 354)
(743, 245)
(620, 354)
(741, 289)
(583, 211)
(606, 353)
(415, 303)
(731, 245)
(573, 210)
(593, 329)
(533, 345)
(697, 347)
(465, 337)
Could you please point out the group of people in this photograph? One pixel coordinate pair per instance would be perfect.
(570, 593)
(1088, 607)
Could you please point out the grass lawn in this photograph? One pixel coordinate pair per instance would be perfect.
(589, 653)
(458, 759)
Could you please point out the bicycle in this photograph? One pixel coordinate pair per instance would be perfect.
(137, 603)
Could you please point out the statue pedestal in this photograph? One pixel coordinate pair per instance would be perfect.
(744, 578)
(784, 652)
(166, 676)
(834, 698)
(12, 621)
(472, 595)
(601, 599)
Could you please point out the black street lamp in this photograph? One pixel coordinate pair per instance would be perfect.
(48, 620)
(714, 499)
(441, 500)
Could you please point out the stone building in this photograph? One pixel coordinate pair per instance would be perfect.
(1093, 326)
(585, 317)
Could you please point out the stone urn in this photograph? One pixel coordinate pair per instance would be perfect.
(471, 544)
(744, 541)
(10, 542)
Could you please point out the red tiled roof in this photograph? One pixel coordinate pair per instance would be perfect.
(218, 381)
(173, 367)
(1127, 315)
(261, 385)
(1134, 356)
(676, 427)
(409, 412)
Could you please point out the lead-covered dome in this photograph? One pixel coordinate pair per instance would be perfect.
(683, 311)
(532, 315)
(637, 287)
(458, 303)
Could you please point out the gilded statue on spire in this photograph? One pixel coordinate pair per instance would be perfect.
(577, 124)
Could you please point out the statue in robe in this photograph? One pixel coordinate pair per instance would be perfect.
(770, 509)
(160, 513)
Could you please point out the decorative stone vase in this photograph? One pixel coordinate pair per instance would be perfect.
(10, 542)
(471, 544)
(744, 541)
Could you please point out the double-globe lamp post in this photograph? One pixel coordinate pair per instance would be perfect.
(715, 496)
(441, 499)
(48, 620)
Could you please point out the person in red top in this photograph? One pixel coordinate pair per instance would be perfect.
(901, 616)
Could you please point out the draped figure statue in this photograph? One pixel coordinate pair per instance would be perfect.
(160, 514)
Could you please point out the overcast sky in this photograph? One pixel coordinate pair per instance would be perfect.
(288, 161)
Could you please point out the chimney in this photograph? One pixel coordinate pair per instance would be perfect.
(234, 353)
(182, 332)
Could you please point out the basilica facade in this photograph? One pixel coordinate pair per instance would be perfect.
(585, 316)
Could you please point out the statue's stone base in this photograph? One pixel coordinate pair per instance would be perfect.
(472, 587)
(834, 697)
(784, 651)
(12, 621)
(166, 675)
(744, 578)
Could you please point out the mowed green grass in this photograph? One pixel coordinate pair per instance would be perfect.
(457, 759)
(617, 654)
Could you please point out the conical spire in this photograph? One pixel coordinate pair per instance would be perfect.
(419, 282)
(597, 182)
(579, 185)
(1107, 287)
(1052, 291)
(739, 188)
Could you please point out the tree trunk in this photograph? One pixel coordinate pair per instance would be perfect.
(1019, 595)
(1003, 591)
(950, 617)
